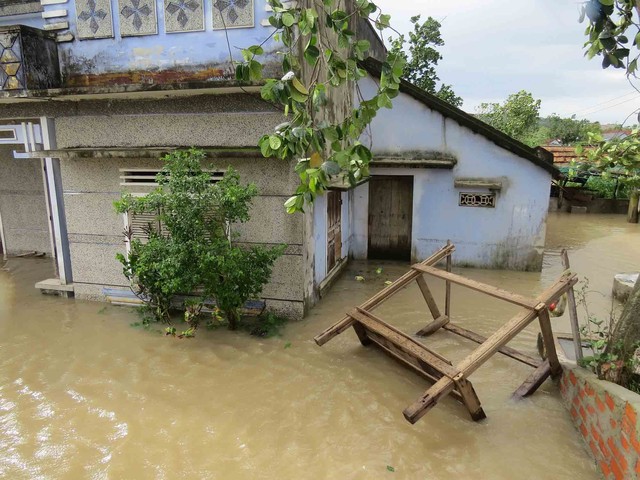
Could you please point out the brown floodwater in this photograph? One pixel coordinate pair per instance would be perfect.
(85, 395)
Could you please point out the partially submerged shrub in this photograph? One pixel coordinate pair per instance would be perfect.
(189, 248)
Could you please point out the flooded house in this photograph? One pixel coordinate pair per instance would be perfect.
(94, 92)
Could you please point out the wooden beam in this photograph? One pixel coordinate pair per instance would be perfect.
(480, 287)
(533, 381)
(573, 312)
(426, 293)
(382, 296)
(434, 326)
(508, 351)
(549, 342)
(361, 332)
(447, 288)
(470, 399)
(404, 343)
(501, 337)
(429, 374)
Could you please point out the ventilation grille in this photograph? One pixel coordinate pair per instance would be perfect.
(484, 200)
(146, 177)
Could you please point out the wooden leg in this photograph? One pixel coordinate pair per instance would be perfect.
(470, 399)
(549, 342)
(434, 326)
(426, 293)
(533, 381)
(361, 332)
(573, 312)
(447, 287)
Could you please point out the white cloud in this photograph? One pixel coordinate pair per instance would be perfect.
(496, 47)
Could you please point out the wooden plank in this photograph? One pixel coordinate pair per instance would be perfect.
(382, 296)
(447, 288)
(503, 335)
(549, 342)
(573, 312)
(426, 293)
(430, 374)
(533, 381)
(403, 334)
(434, 326)
(508, 351)
(470, 399)
(404, 343)
(480, 287)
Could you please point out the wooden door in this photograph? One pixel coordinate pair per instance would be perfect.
(334, 230)
(390, 217)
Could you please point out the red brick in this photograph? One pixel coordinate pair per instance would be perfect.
(574, 412)
(638, 466)
(610, 403)
(617, 472)
(599, 403)
(572, 378)
(589, 390)
(624, 442)
(630, 413)
(614, 424)
(635, 443)
(628, 428)
(604, 449)
(605, 469)
(576, 400)
(581, 393)
(583, 413)
(591, 410)
(594, 433)
(616, 453)
(585, 432)
(595, 451)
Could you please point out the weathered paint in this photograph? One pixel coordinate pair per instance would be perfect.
(511, 235)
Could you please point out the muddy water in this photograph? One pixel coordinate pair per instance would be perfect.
(84, 395)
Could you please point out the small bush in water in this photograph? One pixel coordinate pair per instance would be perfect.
(188, 247)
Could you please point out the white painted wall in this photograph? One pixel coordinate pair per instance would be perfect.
(509, 236)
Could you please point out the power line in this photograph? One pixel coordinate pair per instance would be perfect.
(604, 103)
(608, 107)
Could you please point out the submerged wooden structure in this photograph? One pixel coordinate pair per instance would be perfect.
(449, 379)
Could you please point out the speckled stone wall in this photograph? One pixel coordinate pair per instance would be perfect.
(23, 205)
(606, 415)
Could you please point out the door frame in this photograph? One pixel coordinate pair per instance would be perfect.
(339, 257)
(394, 173)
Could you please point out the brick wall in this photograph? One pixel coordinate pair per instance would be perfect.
(607, 417)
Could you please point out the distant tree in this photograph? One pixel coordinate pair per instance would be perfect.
(422, 58)
(517, 116)
(569, 130)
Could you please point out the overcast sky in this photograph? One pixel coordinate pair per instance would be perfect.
(497, 47)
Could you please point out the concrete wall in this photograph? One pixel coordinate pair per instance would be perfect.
(23, 206)
(511, 235)
(95, 230)
(606, 415)
(158, 56)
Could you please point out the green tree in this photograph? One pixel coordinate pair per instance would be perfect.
(517, 116)
(422, 58)
(189, 247)
(570, 130)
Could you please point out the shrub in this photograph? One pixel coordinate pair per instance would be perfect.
(191, 247)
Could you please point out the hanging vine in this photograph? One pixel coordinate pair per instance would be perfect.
(321, 55)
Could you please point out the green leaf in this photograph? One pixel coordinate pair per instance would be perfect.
(288, 20)
(390, 468)
(275, 142)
